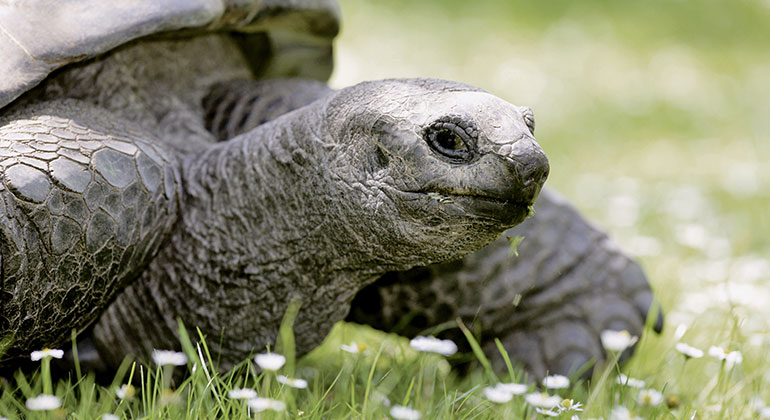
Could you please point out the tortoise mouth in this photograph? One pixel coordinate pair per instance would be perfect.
(504, 211)
(507, 212)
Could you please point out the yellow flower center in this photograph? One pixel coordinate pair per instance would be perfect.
(168, 397)
(361, 347)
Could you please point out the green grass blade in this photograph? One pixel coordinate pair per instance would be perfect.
(506, 358)
(286, 344)
(476, 349)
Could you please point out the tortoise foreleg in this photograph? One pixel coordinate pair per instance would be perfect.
(86, 200)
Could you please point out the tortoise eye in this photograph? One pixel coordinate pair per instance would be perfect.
(529, 118)
(450, 141)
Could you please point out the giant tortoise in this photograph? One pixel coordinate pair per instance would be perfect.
(153, 167)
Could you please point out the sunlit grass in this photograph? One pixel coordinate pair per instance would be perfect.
(387, 372)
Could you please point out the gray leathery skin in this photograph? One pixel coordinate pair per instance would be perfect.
(237, 106)
(557, 239)
(314, 205)
(570, 281)
(86, 200)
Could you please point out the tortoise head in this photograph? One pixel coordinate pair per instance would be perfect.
(450, 161)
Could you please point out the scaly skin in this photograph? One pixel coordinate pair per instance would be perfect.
(323, 216)
(85, 202)
(311, 206)
(574, 282)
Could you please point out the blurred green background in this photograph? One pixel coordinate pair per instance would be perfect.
(654, 115)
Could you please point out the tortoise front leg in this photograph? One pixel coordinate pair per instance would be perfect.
(548, 305)
(86, 200)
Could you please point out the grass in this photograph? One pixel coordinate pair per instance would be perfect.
(386, 373)
(655, 118)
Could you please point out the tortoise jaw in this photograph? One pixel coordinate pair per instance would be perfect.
(502, 211)
(507, 213)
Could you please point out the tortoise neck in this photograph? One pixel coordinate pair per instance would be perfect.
(268, 199)
(262, 224)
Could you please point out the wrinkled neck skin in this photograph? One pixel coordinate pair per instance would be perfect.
(272, 215)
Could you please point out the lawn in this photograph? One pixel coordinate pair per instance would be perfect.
(654, 116)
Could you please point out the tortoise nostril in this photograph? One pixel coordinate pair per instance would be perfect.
(528, 159)
(533, 168)
(539, 171)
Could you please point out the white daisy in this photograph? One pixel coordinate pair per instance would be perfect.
(733, 358)
(764, 412)
(542, 400)
(434, 345)
(242, 394)
(513, 388)
(110, 417)
(355, 348)
(126, 392)
(689, 351)
(556, 381)
(169, 357)
(624, 379)
(292, 382)
(497, 394)
(262, 404)
(617, 340)
(649, 397)
(729, 358)
(622, 413)
(503, 392)
(570, 405)
(270, 361)
(717, 352)
(43, 402)
(39, 354)
(548, 413)
(400, 412)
